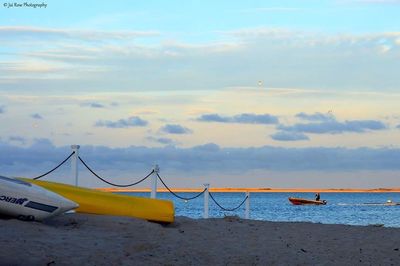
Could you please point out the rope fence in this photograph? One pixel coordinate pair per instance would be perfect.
(113, 184)
(201, 193)
(156, 176)
(226, 209)
(176, 195)
(66, 159)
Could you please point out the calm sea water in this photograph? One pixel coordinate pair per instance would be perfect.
(342, 208)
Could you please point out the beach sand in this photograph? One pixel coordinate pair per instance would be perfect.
(83, 239)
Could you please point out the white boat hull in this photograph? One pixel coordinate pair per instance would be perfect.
(30, 202)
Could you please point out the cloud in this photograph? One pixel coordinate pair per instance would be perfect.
(209, 147)
(209, 159)
(175, 129)
(17, 139)
(241, 118)
(213, 118)
(335, 127)
(54, 33)
(31, 66)
(42, 144)
(162, 140)
(378, 1)
(289, 136)
(384, 48)
(316, 116)
(2, 109)
(133, 121)
(327, 124)
(93, 105)
(307, 60)
(272, 9)
(36, 116)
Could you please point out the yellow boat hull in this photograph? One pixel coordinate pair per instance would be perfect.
(98, 202)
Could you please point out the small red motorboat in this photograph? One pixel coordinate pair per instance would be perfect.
(299, 201)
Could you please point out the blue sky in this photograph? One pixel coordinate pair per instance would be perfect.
(203, 18)
(274, 81)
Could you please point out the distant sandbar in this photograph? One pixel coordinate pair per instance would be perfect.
(267, 190)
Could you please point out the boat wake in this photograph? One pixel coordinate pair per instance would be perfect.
(369, 204)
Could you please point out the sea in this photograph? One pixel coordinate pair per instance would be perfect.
(341, 208)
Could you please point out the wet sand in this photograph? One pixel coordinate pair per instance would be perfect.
(83, 239)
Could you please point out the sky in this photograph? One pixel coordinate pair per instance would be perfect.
(232, 93)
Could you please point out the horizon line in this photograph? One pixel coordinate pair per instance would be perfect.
(265, 190)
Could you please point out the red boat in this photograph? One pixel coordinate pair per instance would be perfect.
(299, 201)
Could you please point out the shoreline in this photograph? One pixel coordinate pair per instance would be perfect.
(260, 190)
(84, 239)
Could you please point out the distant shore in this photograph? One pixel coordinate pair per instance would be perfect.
(261, 190)
(84, 239)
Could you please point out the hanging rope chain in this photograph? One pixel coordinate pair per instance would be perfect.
(66, 159)
(112, 184)
(140, 181)
(225, 209)
(176, 195)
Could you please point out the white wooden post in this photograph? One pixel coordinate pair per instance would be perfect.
(153, 194)
(205, 214)
(247, 211)
(74, 162)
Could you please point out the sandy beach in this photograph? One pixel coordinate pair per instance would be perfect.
(83, 239)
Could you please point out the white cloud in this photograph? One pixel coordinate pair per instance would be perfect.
(88, 35)
(384, 48)
(377, 1)
(272, 9)
(279, 57)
